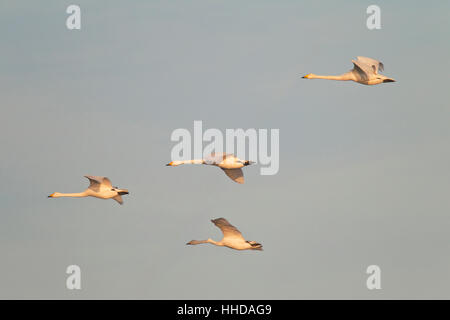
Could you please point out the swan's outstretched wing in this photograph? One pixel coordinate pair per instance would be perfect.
(118, 198)
(362, 70)
(96, 183)
(235, 174)
(228, 230)
(374, 64)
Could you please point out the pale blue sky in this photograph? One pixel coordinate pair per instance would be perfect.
(364, 171)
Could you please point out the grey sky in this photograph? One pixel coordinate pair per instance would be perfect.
(364, 170)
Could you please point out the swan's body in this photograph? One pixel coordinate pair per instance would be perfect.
(229, 163)
(232, 238)
(100, 187)
(365, 71)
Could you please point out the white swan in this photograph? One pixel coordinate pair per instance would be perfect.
(232, 238)
(230, 164)
(365, 71)
(100, 187)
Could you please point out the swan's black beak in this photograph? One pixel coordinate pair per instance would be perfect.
(123, 193)
(388, 80)
(247, 163)
(169, 164)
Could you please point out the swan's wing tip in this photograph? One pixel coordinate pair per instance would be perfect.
(235, 174)
(119, 199)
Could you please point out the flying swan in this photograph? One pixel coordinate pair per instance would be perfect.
(229, 163)
(232, 238)
(100, 187)
(365, 71)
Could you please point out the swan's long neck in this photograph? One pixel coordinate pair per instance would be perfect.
(343, 77)
(180, 162)
(73, 195)
(206, 241)
(216, 243)
(195, 161)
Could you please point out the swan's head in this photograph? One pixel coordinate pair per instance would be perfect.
(309, 76)
(247, 163)
(174, 163)
(54, 195)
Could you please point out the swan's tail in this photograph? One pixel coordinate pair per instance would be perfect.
(255, 245)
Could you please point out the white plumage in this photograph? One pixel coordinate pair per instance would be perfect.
(232, 237)
(228, 162)
(365, 71)
(99, 187)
